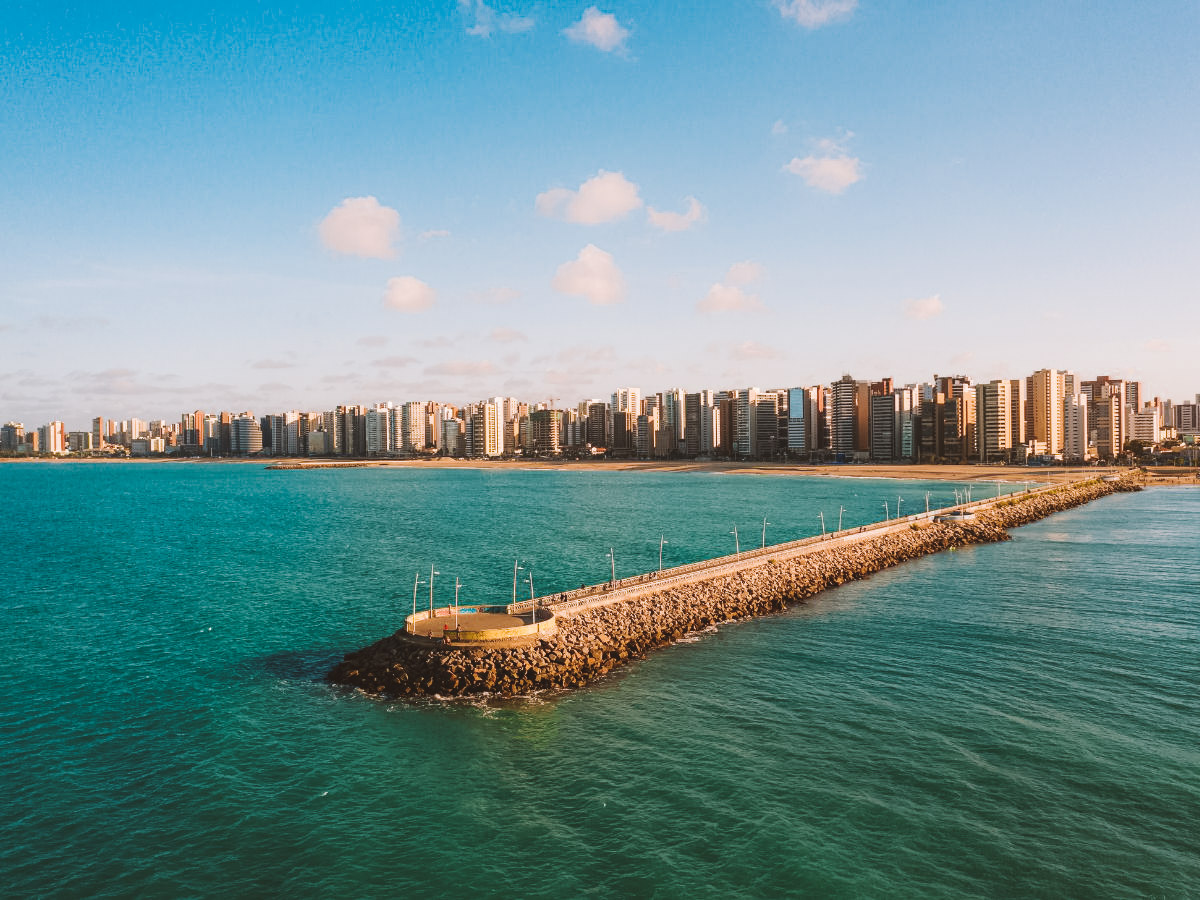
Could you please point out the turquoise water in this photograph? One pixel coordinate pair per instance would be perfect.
(1016, 719)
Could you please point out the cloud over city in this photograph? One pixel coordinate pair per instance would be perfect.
(812, 14)
(408, 294)
(729, 294)
(484, 20)
(592, 275)
(600, 30)
(673, 221)
(830, 169)
(361, 226)
(605, 197)
(923, 307)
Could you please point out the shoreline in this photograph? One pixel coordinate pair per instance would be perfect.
(897, 471)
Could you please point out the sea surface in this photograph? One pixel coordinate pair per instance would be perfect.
(1019, 719)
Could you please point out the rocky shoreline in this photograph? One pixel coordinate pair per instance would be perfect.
(593, 642)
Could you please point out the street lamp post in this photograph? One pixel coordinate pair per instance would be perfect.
(661, 540)
(432, 572)
(822, 515)
(927, 503)
(533, 602)
(841, 509)
(612, 560)
(764, 538)
(457, 585)
(737, 545)
(886, 517)
(515, 570)
(899, 500)
(416, 581)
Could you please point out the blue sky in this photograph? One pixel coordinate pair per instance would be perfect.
(275, 207)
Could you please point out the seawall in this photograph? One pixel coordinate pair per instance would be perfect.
(593, 641)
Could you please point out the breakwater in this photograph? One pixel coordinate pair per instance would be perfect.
(591, 641)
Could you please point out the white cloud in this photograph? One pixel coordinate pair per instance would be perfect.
(728, 295)
(745, 272)
(815, 13)
(433, 233)
(605, 197)
(485, 20)
(673, 221)
(1157, 345)
(272, 364)
(360, 226)
(601, 30)
(832, 172)
(408, 294)
(923, 307)
(779, 127)
(593, 275)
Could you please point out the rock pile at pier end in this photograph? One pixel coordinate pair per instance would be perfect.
(593, 642)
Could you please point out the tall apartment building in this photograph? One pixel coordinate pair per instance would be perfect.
(598, 429)
(379, 430)
(1146, 426)
(885, 416)
(745, 423)
(545, 429)
(994, 431)
(844, 417)
(1108, 414)
(766, 425)
(1047, 391)
(1075, 428)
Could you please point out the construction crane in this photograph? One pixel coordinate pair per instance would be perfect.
(551, 401)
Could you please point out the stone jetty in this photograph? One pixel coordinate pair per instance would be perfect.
(591, 642)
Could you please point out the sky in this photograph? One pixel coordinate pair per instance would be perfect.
(290, 206)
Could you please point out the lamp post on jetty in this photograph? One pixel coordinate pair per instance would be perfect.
(927, 503)
(416, 582)
(661, 540)
(432, 572)
(841, 509)
(457, 585)
(764, 539)
(612, 559)
(899, 500)
(737, 546)
(516, 568)
(885, 511)
(822, 515)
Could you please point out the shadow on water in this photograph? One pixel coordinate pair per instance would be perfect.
(293, 665)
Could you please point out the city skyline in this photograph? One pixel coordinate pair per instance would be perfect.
(216, 209)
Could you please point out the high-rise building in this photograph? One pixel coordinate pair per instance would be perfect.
(844, 417)
(766, 425)
(1047, 391)
(745, 423)
(12, 435)
(1145, 426)
(598, 429)
(994, 426)
(412, 427)
(545, 427)
(245, 435)
(1075, 428)
(885, 418)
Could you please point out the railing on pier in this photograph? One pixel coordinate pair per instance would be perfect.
(623, 588)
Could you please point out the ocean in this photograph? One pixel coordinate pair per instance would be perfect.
(1014, 719)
